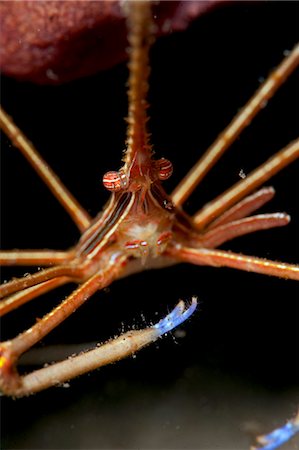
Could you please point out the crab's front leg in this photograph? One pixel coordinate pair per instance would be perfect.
(11, 350)
(114, 350)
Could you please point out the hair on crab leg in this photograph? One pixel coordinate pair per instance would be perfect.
(279, 436)
(240, 121)
(125, 345)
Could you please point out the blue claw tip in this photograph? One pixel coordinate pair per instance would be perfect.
(177, 316)
(279, 436)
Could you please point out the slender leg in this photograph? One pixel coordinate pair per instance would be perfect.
(221, 258)
(69, 203)
(229, 231)
(221, 203)
(39, 277)
(11, 350)
(241, 120)
(245, 207)
(33, 257)
(20, 298)
(116, 349)
(98, 281)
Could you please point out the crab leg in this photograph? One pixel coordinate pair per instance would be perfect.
(102, 279)
(221, 258)
(38, 277)
(32, 257)
(114, 350)
(217, 206)
(231, 230)
(69, 203)
(20, 298)
(240, 121)
(245, 207)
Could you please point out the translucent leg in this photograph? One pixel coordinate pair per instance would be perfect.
(221, 258)
(116, 349)
(69, 203)
(241, 120)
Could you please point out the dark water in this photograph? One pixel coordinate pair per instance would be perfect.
(235, 373)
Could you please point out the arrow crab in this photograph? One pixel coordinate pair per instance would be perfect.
(140, 228)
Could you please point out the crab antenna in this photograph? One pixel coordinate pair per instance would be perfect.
(140, 38)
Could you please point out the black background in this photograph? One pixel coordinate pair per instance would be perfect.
(236, 370)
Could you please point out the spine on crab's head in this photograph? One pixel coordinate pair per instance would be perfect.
(140, 37)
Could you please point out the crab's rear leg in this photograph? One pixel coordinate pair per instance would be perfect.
(114, 350)
(67, 200)
(240, 121)
(221, 258)
(11, 350)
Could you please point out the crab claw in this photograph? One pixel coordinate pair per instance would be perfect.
(279, 436)
(177, 316)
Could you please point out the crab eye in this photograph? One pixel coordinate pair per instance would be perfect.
(165, 168)
(112, 181)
